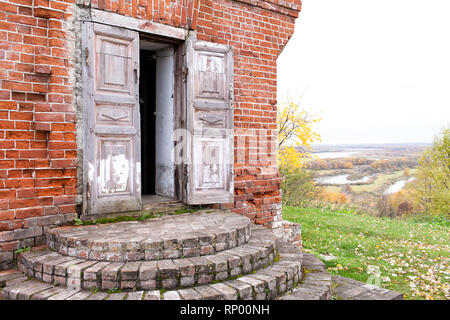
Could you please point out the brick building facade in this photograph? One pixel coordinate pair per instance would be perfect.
(43, 168)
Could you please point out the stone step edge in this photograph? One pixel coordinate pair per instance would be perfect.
(52, 267)
(316, 283)
(269, 283)
(149, 249)
(350, 289)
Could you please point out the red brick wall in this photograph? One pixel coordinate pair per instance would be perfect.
(38, 146)
(38, 186)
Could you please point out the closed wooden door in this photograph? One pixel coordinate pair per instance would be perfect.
(209, 176)
(111, 150)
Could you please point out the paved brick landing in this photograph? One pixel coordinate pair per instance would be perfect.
(181, 236)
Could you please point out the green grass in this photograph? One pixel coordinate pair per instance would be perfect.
(412, 254)
(25, 249)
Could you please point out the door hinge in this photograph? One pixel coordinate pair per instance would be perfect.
(87, 56)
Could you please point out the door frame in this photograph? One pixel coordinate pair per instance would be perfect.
(147, 30)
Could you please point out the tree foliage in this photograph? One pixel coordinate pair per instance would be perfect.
(298, 187)
(295, 135)
(433, 176)
(400, 203)
(333, 197)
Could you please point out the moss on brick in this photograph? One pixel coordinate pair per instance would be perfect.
(137, 217)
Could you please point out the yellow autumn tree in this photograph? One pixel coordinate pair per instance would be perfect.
(295, 137)
(432, 184)
(295, 134)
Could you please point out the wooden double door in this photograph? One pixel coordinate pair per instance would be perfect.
(203, 143)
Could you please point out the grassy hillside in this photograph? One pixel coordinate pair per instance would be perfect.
(412, 256)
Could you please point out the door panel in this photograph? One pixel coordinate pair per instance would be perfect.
(115, 172)
(111, 118)
(209, 93)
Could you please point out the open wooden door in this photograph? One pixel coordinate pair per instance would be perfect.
(111, 154)
(209, 121)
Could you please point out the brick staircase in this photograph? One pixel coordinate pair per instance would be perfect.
(207, 255)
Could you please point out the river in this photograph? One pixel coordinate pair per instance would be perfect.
(397, 186)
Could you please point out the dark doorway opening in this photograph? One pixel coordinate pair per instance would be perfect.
(147, 102)
(156, 96)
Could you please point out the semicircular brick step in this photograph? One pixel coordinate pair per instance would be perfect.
(267, 283)
(179, 236)
(278, 281)
(52, 267)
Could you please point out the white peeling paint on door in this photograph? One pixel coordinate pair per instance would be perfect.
(111, 113)
(114, 174)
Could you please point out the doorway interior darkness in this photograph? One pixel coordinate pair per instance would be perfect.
(156, 96)
(147, 109)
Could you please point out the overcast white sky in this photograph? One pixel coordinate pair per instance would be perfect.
(378, 71)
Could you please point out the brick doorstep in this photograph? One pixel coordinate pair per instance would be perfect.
(52, 267)
(283, 280)
(186, 235)
(263, 284)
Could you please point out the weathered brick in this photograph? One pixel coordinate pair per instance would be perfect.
(227, 292)
(111, 272)
(244, 290)
(190, 294)
(27, 233)
(130, 271)
(167, 269)
(148, 270)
